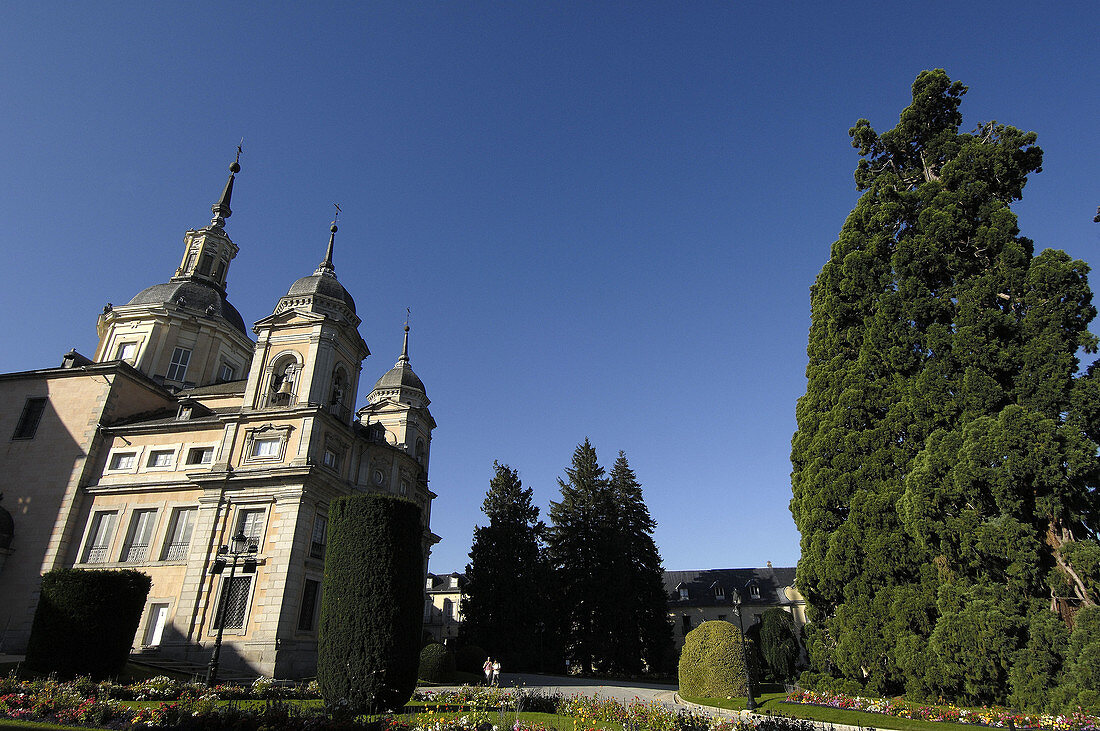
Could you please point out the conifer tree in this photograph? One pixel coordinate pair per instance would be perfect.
(643, 639)
(506, 590)
(946, 448)
(579, 547)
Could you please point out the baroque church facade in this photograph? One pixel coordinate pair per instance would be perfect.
(181, 432)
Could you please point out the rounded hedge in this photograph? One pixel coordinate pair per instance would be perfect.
(712, 663)
(470, 658)
(85, 622)
(372, 604)
(437, 664)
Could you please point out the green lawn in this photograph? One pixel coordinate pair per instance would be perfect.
(773, 703)
(10, 724)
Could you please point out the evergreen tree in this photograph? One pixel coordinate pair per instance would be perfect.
(505, 596)
(643, 639)
(579, 547)
(946, 450)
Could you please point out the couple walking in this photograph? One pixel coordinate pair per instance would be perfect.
(492, 671)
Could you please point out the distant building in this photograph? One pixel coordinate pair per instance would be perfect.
(182, 432)
(695, 597)
(443, 606)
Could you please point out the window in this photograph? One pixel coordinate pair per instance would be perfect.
(137, 539)
(268, 447)
(420, 451)
(754, 591)
(190, 261)
(320, 530)
(126, 351)
(206, 264)
(251, 523)
(179, 534)
(404, 487)
(683, 592)
(233, 606)
(122, 461)
(227, 372)
(200, 455)
(448, 610)
(331, 459)
(160, 458)
(99, 537)
(686, 624)
(177, 371)
(29, 419)
(719, 592)
(310, 592)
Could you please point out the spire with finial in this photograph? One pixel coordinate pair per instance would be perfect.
(325, 267)
(221, 209)
(404, 359)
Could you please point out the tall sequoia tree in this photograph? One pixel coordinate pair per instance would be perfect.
(506, 593)
(643, 639)
(945, 457)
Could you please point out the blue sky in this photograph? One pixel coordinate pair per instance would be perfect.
(605, 217)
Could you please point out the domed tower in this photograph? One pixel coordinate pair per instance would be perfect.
(399, 403)
(184, 332)
(308, 351)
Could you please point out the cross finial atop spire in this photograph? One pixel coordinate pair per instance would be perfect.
(404, 359)
(221, 209)
(325, 266)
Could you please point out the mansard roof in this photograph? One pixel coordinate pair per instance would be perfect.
(701, 585)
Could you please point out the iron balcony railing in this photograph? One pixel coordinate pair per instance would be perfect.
(135, 552)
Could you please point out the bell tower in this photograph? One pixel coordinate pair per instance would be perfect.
(399, 403)
(309, 352)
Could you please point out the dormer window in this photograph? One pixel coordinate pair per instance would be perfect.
(754, 591)
(454, 582)
(428, 583)
(683, 592)
(719, 592)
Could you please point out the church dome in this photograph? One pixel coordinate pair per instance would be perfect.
(325, 285)
(196, 296)
(400, 376)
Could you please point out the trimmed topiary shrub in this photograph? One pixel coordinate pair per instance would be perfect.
(437, 664)
(470, 658)
(368, 644)
(86, 621)
(711, 663)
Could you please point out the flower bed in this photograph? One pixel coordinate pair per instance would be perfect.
(900, 708)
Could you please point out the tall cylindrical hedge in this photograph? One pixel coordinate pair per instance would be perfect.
(86, 621)
(372, 603)
(712, 664)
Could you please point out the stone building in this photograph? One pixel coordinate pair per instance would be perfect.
(695, 597)
(443, 606)
(182, 432)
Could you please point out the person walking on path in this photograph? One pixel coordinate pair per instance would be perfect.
(496, 672)
(487, 668)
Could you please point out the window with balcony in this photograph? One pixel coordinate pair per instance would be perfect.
(179, 534)
(138, 536)
(100, 531)
(250, 521)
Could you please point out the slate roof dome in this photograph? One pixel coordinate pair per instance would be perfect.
(325, 285)
(401, 375)
(196, 296)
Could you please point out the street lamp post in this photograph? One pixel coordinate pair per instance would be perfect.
(242, 550)
(750, 702)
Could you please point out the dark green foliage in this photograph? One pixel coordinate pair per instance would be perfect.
(470, 658)
(946, 452)
(437, 664)
(85, 622)
(608, 570)
(643, 638)
(372, 603)
(778, 644)
(1081, 682)
(1038, 666)
(712, 664)
(507, 578)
